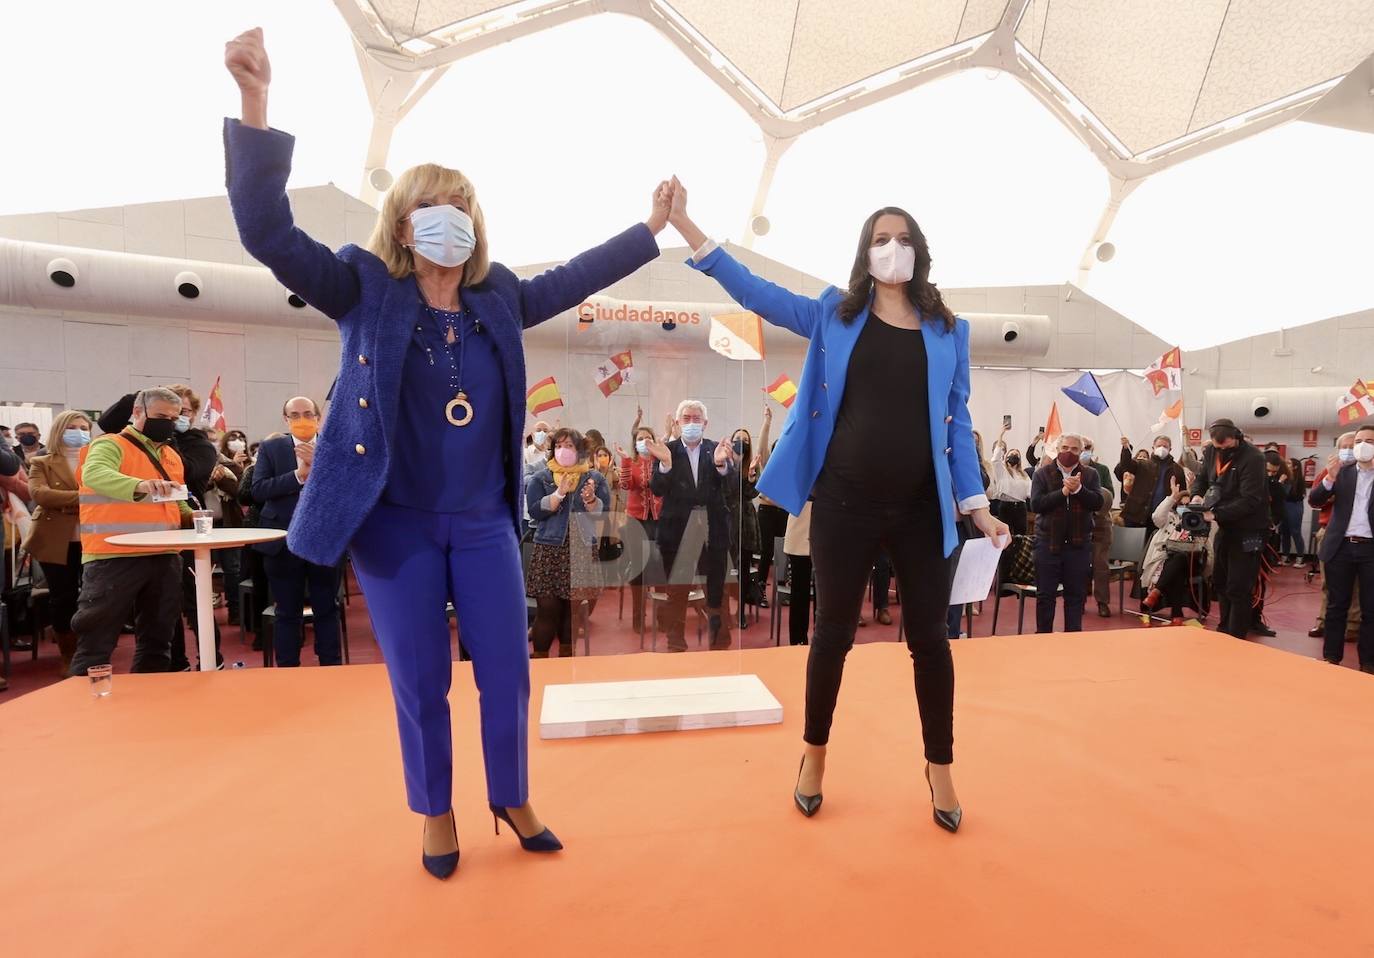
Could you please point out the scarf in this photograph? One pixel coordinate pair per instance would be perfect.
(559, 470)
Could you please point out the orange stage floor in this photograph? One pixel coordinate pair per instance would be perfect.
(1171, 792)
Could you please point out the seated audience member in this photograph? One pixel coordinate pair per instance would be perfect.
(695, 475)
(1175, 557)
(1151, 480)
(1348, 547)
(563, 572)
(641, 505)
(126, 482)
(55, 537)
(280, 473)
(1064, 497)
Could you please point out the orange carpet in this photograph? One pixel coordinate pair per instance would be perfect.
(1134, 793)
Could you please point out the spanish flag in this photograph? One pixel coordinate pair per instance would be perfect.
(783, 391)
(543, 396)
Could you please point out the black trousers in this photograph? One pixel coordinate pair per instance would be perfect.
(64, 587)
(1235, 574)
(799, 602)
(1070, 567)
(844, 545)
(291, 577)
(772, 526)
(882, 582)
(1353, 562)
(1175, 579)
(146, 589)
(554, 619)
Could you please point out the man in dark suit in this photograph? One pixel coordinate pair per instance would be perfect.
(1064, 497)
(281, 471)
(1232, 486)
(1347, 550)
(694, 476)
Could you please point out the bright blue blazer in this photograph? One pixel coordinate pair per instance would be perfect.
(375, 314)
(796, 462)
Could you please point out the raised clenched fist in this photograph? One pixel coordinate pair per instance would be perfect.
(245, 58)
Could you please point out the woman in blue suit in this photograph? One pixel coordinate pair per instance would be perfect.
(886, 350)
(418, 470)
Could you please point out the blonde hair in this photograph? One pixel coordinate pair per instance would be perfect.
(60, 424)
(415, 184)
(185, 393)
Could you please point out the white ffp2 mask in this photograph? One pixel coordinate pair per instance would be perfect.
(892, 262)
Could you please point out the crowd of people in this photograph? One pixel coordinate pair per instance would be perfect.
(675, 516)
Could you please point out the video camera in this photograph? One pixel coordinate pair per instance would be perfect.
(1192, 522)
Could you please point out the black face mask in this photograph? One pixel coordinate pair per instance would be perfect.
(741, 447)
(28, 440)
(1013, 461)
(160, 430)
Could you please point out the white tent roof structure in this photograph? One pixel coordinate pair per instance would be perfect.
(1033, 139)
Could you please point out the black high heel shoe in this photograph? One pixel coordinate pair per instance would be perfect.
(808, 805)
(442, 866)
(545, 841)
(949, 821)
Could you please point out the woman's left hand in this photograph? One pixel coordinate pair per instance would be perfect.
(992, 527)
(663, 203)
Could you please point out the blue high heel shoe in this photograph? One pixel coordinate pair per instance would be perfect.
(442, 866)
(545, 841)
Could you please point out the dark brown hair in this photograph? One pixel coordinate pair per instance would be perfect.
(921, 291)
(567, 432)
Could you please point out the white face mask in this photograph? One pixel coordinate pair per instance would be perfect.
(642, 447)
(539, 437)
(1364, 452)
(1161, 452)
(237, 445)
(443, 235)
(892, 262)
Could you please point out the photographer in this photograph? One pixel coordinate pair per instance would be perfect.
(1177, 553)
(1233, 488)
(1347, 550)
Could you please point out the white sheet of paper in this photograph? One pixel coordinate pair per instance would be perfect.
(977, 568)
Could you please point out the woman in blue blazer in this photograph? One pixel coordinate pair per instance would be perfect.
(887, 351)
(418, 470)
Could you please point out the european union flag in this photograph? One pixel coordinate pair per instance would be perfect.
(1088, 394)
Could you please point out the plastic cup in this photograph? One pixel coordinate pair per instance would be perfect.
(203, 520)
(101, 679)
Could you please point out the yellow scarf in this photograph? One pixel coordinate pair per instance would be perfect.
(559, 470)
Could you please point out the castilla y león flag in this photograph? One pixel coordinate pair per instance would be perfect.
(1166, 372)
(613, 373)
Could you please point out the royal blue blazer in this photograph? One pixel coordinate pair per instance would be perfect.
(375, 314)
(800, 453)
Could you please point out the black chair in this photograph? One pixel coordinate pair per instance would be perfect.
(1125, 555)
(779, 573)
(247, 606)
(1002, 588)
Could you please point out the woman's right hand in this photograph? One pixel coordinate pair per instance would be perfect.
(245, 58)
(677, 216)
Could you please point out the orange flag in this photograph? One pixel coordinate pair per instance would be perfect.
(1053, 430)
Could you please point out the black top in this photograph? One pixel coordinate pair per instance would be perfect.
(880, 455)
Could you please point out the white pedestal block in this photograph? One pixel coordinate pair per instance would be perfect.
(656, 705)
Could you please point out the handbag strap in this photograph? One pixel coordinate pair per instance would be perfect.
(157, 463)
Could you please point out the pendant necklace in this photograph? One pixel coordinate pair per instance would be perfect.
(458, 411)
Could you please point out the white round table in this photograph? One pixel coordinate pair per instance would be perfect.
(183, 539)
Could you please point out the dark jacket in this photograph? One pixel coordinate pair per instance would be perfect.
(275, 486)
(9, 463)
(1343, 492)
(198, 458)
(681, 494)
(1140, 504)
(353, 455)
(119, 414)
(1243, 501)
(1061, 520)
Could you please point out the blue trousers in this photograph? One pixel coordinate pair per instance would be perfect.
(410, 564)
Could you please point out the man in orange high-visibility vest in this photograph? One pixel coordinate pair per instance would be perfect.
(125, 480)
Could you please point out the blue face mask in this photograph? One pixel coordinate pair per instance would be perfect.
(691, 431)
(443, 235)
(1346, 455)
(642, 447)
(75, 438)
(1086, 456)
(539, 437)
(183, 423)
